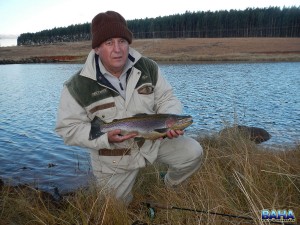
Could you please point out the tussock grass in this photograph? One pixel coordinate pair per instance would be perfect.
(237, 177)
(171, 50)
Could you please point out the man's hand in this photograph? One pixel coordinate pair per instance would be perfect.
(115, 136)
(174, 133)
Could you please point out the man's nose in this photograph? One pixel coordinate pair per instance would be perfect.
(116, 46)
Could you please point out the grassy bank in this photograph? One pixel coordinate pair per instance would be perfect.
(237, 177)
(182, 50)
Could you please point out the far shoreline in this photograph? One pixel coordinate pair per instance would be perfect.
(183, 50)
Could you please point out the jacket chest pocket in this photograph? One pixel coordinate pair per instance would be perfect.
(146, 89)
(145, 95)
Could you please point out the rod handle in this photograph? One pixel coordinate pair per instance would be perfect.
(151, 204)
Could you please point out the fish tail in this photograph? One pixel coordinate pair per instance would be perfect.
(96, 125)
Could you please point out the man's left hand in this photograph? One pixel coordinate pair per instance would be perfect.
(174, 133)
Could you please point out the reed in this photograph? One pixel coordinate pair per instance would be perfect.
(237, 177)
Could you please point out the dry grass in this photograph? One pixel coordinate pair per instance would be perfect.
(188, 49)
(237, 177)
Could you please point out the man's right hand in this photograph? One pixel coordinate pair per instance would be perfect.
(115, 136)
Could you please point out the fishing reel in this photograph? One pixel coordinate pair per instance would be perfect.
(150, 210)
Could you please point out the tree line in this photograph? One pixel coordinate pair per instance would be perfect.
(251, 22)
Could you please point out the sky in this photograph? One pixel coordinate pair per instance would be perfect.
(22, 16)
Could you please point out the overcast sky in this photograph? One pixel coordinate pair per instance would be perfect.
(22, 16)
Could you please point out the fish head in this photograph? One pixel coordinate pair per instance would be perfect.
(178, 122)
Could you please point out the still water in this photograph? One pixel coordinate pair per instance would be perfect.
(255, 94)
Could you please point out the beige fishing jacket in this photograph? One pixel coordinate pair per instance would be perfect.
(74, 117)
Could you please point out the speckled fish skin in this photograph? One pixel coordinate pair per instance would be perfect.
(148, 126)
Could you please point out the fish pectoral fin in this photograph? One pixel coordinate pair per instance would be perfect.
(161, 130)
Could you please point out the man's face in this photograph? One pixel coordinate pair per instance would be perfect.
(113, 54)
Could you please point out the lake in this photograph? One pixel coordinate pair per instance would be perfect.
(265, 95)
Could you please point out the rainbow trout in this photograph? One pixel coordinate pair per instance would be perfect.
(148, 126)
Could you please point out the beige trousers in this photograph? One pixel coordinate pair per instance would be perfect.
(182, 155)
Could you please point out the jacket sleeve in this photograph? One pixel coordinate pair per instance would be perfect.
(74, 126)
(165, 100)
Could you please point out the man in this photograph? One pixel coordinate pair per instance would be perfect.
(118, 82)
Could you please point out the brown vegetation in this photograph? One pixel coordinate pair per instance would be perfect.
(237, 177)
(189, 49)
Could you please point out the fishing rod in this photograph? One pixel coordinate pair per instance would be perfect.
(152, 205)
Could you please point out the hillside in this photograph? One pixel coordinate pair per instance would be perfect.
(189, 49)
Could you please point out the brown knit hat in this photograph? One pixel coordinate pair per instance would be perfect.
(109, 25)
